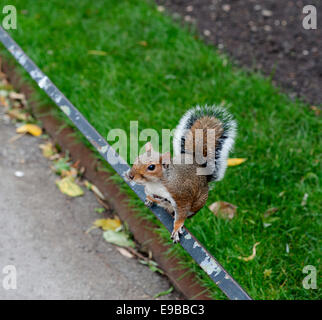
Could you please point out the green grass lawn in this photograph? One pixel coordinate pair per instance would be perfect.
(154, 82)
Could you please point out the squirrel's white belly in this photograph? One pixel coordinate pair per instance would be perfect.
(158, 189)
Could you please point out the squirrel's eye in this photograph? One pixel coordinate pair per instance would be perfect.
(151, 167)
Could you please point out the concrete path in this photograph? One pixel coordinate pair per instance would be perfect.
(42, 233)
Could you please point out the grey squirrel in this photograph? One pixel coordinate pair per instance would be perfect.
(181, 188)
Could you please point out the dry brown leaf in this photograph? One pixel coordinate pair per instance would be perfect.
(17, 96)
(269, 212)
(124, 252)
(72, 172)
(316, 110)
(235, 161)
(103, 203)
(76, 164)
(97, 192)
(30, 128)
(92, 187)
(223, 209)
(252, 256)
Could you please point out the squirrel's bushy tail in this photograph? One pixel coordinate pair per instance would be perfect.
(221, 139)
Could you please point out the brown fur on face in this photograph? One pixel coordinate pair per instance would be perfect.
(140, 172)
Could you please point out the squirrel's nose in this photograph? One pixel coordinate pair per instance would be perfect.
(131, 176)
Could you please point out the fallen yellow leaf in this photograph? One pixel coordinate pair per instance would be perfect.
(269, 212)
(3, 101)
(143, 43)
(97, 52)
(48, 150)
(68, 186)
(72, 172)
(253, 255)
(30, 128)
(108, 224)
(18, 114)
(235, 161)
(267, 273)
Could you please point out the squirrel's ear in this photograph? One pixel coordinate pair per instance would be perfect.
(166, 159)
(148, 147)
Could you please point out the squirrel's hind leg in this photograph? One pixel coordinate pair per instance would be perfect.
(180, 216)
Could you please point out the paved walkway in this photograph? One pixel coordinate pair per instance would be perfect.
(42, 233)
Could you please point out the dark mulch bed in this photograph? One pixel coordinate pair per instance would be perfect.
(264, 35)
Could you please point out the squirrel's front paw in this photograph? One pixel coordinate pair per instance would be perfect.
(175, 235)
(148, 202)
